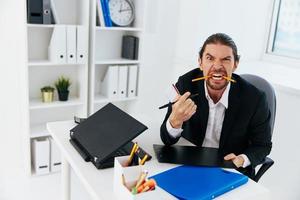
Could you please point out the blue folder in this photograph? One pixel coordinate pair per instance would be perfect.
(201, 183)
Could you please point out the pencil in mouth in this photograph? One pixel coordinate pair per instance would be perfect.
(215, 77)
(200, 78)
(229, 79)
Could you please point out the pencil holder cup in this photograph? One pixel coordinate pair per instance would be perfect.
(131, 175)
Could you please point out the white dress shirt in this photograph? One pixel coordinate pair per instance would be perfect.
(214, 122)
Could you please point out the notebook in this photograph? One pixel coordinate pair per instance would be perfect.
(201, 183)
(106, 134)
(191, 155)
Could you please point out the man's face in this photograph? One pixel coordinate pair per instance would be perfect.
(217, 61)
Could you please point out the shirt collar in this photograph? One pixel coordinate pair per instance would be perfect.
(224, 98)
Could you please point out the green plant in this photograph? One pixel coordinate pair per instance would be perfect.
(62, 84)
(47, 89)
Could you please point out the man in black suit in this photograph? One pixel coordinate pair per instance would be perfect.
(229, 113)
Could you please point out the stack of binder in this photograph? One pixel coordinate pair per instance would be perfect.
(68, 44)
(46, 156)
(120, 81)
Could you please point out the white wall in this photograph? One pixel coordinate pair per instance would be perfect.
(159, 49)
(245, 21)
(13, 62)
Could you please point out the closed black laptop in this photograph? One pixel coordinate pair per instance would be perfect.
(106, 134)
(191, 155)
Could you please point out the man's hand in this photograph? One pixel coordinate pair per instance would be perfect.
(237, 160)
(182, 110)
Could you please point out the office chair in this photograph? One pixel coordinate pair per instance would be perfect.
(266, 87)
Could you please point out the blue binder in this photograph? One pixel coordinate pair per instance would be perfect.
(201, 183)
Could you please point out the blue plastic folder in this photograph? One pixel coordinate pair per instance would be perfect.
(201, 183)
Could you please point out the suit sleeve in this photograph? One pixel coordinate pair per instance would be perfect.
(260, 133)
(166, 138)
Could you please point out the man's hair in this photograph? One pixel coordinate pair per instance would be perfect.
(220, 38)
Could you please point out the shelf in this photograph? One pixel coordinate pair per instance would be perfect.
(133, 29)
(103, 99)
(48, 63)
(116, 61)
(38, 104)
(41, 25)
(39, 130)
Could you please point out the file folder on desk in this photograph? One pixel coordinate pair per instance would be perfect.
(201, 183)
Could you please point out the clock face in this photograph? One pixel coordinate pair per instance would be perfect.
(121, 12)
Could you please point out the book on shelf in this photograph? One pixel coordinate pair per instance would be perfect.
(41, 12)
(100, 13)
(106, 13)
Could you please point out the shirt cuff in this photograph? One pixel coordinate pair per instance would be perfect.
(173, 132)
(246, 161)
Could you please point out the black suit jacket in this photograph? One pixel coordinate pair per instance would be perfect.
(246, 127)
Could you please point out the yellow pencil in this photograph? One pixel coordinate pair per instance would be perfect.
(144, 160)
(229, 79)
(133, 150)
(141, 178)
(200, 78)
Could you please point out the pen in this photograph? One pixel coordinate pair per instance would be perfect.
(177, 91)
(171, 103)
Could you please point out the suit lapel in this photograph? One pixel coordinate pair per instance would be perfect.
(230, 113)
(201, 116)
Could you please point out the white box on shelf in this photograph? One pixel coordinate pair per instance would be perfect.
(41, 156)
(82, 46)
(71, 44)
(132, 80)
(109, 85)
(55, 158)
(122, 86)
(131, 174)
(57, 48)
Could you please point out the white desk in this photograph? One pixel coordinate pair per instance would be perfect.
(99, 183)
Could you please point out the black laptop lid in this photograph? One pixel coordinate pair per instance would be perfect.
(106, 131)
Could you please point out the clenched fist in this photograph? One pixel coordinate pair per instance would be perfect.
(182, 110)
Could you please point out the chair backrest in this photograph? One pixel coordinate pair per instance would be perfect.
(266, 87)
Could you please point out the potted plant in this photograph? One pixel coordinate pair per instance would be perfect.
(62, 85)
(47, 94)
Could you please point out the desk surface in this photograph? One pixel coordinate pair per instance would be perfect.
(99, 183)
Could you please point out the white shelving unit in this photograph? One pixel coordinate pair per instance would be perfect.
(105, 50)
(42, 72)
